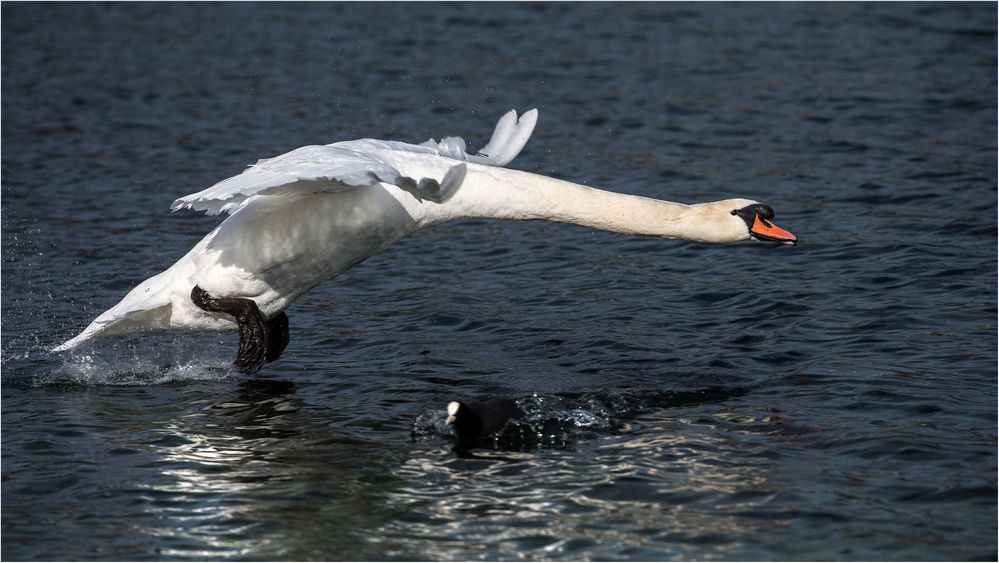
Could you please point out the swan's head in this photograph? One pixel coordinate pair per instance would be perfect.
(734, 220)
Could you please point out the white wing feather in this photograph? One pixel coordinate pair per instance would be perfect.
(348, 165)
(331, 168)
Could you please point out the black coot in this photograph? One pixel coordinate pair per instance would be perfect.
(472, 420)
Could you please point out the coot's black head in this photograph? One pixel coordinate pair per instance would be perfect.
(472, 420)
(467, 424)
(759, 220)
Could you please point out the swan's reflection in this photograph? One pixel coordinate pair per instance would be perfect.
(250, 477)
(210, 460)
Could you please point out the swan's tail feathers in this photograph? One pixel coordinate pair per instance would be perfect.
(509, 137)
(142, 309)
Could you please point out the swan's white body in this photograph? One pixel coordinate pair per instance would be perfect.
(301, 218)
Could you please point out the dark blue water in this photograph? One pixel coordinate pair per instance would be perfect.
(836, 400)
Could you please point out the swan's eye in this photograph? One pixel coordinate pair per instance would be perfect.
(735, 212)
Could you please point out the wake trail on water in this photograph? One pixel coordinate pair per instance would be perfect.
(559, 421)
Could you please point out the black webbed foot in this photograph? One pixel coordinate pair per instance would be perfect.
(253, 339)
(278, 336)
(260, 340)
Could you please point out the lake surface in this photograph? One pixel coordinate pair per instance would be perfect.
(836, 400)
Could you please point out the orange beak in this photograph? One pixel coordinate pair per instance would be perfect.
(765, 230)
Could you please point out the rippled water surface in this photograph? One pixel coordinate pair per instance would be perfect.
(836, 400)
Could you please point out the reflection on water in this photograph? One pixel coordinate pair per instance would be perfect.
(661, 488)
(228, 476)
(216, 470)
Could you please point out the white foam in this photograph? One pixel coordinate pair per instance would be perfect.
(142, 363)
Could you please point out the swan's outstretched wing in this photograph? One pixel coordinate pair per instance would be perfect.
(348, 165)
(509, 138)
(315, 169)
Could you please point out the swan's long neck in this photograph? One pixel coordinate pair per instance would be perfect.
(501, 193)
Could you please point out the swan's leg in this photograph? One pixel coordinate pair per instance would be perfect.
(278, 339)
(254, 334)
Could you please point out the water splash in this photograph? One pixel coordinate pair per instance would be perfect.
(141, 360)
(101, 370)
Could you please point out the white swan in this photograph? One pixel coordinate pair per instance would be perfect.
(301, 218)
